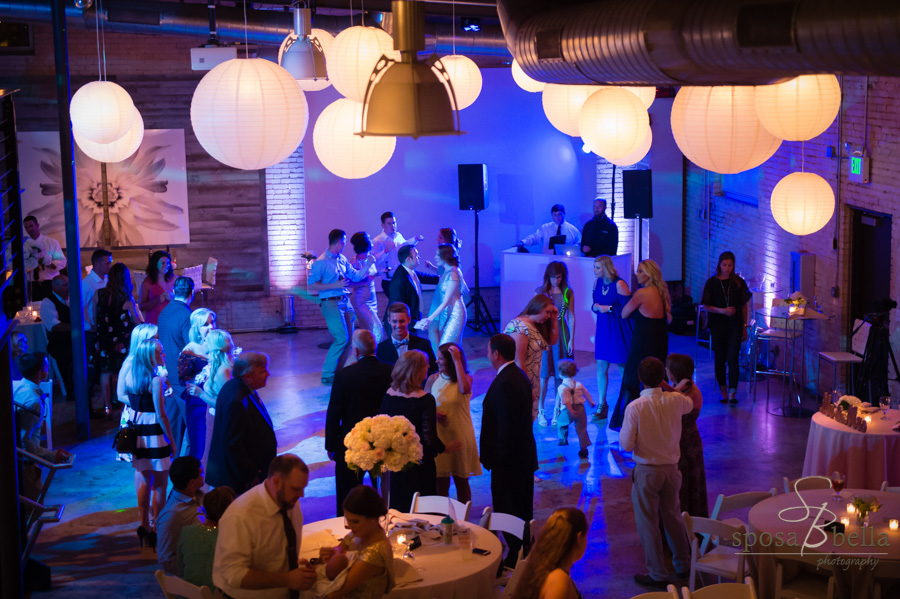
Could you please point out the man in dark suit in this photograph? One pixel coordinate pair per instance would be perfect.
(174, 333)
(507, 441)
(357, 393)
(243, 443)
(406, 284)
(400, 340)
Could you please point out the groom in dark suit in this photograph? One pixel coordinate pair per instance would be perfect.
(400, 340)
(243, 442)
(507, 440)
(406, 284)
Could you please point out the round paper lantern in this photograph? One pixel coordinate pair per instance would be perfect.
(801, 108)
(562, 103)
(613, 122)
(524, 81)
(310, 85)
(638, 154)
(102, 111)
(341, 151)
(465, 77)
(802, 203)
(717, 128)
(249, 113)
(646, 94)
(118, 150)
(353, 56)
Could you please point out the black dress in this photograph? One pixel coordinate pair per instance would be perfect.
(421, 411)
(114, 326)
(651, 338)
(726, 332)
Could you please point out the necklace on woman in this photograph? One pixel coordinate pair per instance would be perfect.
(604, 288)
(727, 294)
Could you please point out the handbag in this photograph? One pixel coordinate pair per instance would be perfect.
(125, 440)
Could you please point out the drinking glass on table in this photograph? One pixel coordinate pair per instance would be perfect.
(837, 482)
(885, 402)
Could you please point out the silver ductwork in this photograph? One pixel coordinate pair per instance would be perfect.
(700, 42)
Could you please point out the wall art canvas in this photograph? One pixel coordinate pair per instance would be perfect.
(146, 193)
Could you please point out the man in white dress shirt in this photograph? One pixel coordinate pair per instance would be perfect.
(652, 430)
(386, 244)
(558, 227)
(44, 258)
(259, 537)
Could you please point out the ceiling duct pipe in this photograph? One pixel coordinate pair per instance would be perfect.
(700, 42)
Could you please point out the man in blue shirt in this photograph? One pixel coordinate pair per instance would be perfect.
(329, 276)
(182, 509)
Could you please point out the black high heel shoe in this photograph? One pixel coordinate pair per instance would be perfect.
(143, 535)
(151, 540)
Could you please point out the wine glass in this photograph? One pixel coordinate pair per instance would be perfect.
(885, 402)
(837, 482)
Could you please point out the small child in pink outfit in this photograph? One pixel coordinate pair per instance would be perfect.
(571, 396)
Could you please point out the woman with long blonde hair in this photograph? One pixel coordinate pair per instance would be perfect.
(651, 311)
(561, 543)
(191, 362)
(612, 339)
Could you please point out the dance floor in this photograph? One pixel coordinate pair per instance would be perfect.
(94, 551)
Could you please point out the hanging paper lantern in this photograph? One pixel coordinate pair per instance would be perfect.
(314, 85)
(638, 154)
(353, 56)
(562, 103)
(340, 150)
(249, 113)
(802, 203)
(524, 81)
(717, 128)
(102, 111)
(646, 94)
(465, 77)
(118, 150)
(613, 122)
(801, 108)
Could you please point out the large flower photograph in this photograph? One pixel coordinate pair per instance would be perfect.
(146, 197)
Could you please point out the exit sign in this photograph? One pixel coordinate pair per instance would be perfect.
(859, 169)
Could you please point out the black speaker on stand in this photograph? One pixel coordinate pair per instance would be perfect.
(637, 196)
(473, 196)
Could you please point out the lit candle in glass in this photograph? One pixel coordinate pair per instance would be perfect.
(868, 419)
(894, 524)
(845, 521)
(851, 509)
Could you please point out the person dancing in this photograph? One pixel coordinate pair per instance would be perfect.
(613, 337)
(362, 293)
(556, 287)
(450, 313)
(534, 330)
(651, 311)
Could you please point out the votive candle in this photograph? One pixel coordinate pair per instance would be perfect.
(894, 524)
(851, 509)
(868, 419)
(845, 521)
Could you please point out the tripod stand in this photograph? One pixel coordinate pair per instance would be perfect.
(872, 378)
(481, 320)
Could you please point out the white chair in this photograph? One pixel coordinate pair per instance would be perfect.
(809, 483)
(438, 504)
(207, 286)
(807, 584)
(726, 559)
(47, 390)
(725, 590)
(739, 501)
(839, 358)
(885, 487)
(174, 588)
(508, 525)
(511, 583)
(670, 593)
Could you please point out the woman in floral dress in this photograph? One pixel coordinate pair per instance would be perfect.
(116, 316)
(534, 330)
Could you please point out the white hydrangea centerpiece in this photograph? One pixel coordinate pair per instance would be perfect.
(383, 443)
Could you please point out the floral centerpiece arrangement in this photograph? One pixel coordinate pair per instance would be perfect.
(864, 505)
(796, 303)
(848, 401)
(383, 443)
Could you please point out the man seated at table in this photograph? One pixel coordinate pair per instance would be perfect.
(182, 509)
(57, 321)
(556, 232)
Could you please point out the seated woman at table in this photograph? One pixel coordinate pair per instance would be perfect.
(561, 542)
(367, 572)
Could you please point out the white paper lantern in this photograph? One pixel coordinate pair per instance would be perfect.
(717, 128)
(249, 113)
(118, 150)
(613, 122)
(562, 104)
(465, 77)
(524, 81)
(102, 111)
(646, 94)
(802, 203)
(801, 108)
(638, 154)
(353, 56)
(311, 85)
(340, 150)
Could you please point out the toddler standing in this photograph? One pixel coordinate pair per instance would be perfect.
(570, 396)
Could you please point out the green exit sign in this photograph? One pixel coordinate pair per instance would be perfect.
(859, 169)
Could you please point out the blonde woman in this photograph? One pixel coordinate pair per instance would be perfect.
(651, 311)
(191, 362)
(613, 337)
(220, 354)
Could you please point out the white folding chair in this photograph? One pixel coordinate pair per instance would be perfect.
(508, 525)
(885, 487)
(47, 390)
(438, 504)
(513, 580)
(808, 583)
(670, 593)
(725, 590)
(809, 483)
(175, 588)
(739, 501)
(724, 560)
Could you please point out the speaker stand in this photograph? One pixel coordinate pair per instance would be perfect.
(481, 320)
(639, 229)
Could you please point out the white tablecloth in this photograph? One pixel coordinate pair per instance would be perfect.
(445, 575)
(866, 459)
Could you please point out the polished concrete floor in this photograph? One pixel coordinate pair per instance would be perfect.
(94, 552)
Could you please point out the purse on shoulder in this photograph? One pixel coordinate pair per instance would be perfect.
(125, 440)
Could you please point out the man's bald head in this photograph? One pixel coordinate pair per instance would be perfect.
(363, 342)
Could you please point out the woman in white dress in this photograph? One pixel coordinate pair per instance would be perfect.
(452, 390)
(362, 294)
(450, 312)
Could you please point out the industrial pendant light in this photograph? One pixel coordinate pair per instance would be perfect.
(301, 55)
(409, 98)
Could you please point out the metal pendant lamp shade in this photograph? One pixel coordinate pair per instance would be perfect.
(301, 55)
(409, 98)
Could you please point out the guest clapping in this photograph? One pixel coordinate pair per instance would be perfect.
(156, 290)
(561, 543)
(534, 330)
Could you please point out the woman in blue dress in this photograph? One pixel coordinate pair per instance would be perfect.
(450, 312)
(613, 337)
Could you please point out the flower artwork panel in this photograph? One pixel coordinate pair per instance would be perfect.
(146, 192)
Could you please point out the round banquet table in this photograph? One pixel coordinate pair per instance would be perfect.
(445, 575)
(866, 459)
(768, 516)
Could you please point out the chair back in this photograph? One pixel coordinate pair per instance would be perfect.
(739, 501)
(174, 588)
(723, 590)
(510, 587)
(885, 487)
(506, 523)
(209, 273)
(438, 504)
(194, 273)
(809, 483)
(670, 593)
(47, 390)
(721, 532)
(859, 340)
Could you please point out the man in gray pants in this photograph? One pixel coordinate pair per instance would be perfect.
(652, 430)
